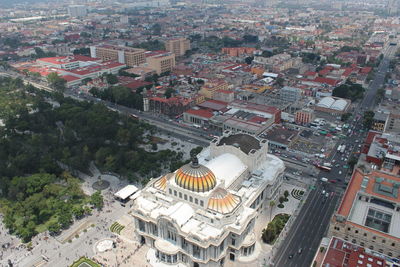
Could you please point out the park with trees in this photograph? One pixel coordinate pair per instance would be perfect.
(47, 138)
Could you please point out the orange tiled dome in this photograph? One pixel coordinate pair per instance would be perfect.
(222, 201)
(195, 177)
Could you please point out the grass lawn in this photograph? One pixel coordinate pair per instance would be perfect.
(85, 262)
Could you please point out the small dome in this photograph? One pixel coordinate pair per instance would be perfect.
(161, 183)
(195, 177)
(222, 201)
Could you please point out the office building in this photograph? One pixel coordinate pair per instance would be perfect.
(178, 46)
(122, 54)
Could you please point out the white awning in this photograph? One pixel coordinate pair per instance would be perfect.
(126, 192)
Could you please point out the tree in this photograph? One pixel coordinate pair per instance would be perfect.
(279, 81)
(56, 81)
(65, 219)
(249, 60)
(281, 199)
(156, 29)
(111, 78)
(84, 51)
(97, 200)
(352, 162)
(368, 119)
(78, 211)
(345, 116)
(86, 81)
(54, 227)
(169, 92)
(286, 193)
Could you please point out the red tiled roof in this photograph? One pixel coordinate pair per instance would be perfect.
(328, 81)
(201, 113)
(70, 78)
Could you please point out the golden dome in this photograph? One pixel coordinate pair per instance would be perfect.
(195, 177)
(222, 201)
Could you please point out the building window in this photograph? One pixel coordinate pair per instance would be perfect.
(374, 237)
(185, 197)
(348, 229)
(170, 191)
(201, 203)
(392, 244)
(356, 231)
(383, 241)
(190, 198)
(174, 192)
(196, 201)
(233, 242)
(365, 234)
(180, 194)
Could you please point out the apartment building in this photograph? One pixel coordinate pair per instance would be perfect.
(122, 54)
(178, 46)
(369, 213)
(160, 61)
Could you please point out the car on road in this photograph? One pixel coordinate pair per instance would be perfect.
(290, 256)
(332, 181)
(300, 250)
(326, 194)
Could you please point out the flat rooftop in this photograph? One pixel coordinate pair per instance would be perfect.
(244, 141)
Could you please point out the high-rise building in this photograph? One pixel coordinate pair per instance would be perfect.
(77, 11)
(122, 54)
(178, 46)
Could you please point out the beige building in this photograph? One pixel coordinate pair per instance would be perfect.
(212, 86)
(160, 61)
(178, 46)
(369, 212)
(123, 54)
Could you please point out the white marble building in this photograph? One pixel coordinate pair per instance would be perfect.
(204, 213)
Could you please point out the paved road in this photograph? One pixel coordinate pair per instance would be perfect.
(369, 100)
(313, 220)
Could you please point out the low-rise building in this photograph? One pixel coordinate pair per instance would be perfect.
(333, 105)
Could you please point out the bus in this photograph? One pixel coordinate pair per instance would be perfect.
(342, 149)
(339, 148)
(324, 168)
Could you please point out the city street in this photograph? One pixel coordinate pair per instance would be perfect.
(313, 221)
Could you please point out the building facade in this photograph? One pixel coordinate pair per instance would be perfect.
(304, 116)
(204, 213)
(369, 213)
(160, 61)
(122, 54)
(178, 46)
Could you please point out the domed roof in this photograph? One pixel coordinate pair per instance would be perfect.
(195, 177)
(161, 183)
(222, 201)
